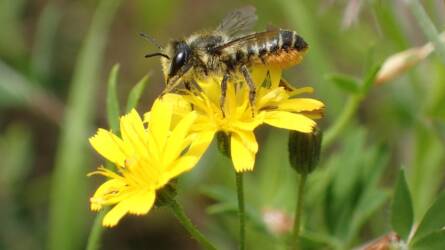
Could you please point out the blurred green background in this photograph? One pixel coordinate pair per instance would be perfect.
(55, 57)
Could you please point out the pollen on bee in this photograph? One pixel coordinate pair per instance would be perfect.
(284, 59)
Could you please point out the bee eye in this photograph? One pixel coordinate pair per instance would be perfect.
(180, 59)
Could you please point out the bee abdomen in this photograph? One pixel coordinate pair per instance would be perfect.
(291, 40)
(284, 50)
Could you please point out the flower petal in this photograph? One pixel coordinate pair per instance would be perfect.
(275, 77)
(142, 202)
(160, 117)
(242, 157)
(116, 213)
(174, 147)
(110, 146)
(300, 105)
(178, 167)
(258, 74)
(249, 140)
(291, 121)
(200, 143)
(107, 187)
(133, 132)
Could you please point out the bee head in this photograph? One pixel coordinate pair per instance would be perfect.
(178, 61)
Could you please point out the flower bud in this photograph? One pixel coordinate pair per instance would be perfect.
(166, 194)
(304, 150)
(223, 141)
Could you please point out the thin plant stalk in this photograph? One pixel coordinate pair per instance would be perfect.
(241, 210)
(298, 212)
(178, 211)
(96, 231)
(342, 121)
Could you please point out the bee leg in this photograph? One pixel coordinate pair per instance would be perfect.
(188, 86)
(196, 86)
(252, 88)
(223, 93)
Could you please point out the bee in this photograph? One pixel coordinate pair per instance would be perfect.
(229, 51)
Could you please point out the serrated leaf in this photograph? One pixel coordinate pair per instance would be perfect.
(433, 220)
(402, 208)
(345, 83)
(135, 93)
(431, 241)
(112, 100)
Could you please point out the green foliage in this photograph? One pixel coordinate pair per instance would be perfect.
(136, 93)
(427, 26)
(42, 54)
(433, 220)
(402, 215)
(432, 241)
(69, 190)
(345, 83)
(113, 112)
(352, 194)
(369, 78)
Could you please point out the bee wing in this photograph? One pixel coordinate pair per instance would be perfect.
(238, 21)
(240, 42)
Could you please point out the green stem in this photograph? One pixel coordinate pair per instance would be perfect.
(96, 231)
(241, 213)
(298, 212)
(343, 120)
(178, 211)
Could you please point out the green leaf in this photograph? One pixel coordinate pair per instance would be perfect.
(112, 100)
(344, 82)
(223, 207)
(431, 241)
(370, 78)
(402, 208)
(135, 93)
(433, 220)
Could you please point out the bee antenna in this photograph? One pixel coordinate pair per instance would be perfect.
(150, 39)
(157, 54)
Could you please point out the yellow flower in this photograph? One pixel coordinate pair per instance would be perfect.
(273, 106)
(146, 160)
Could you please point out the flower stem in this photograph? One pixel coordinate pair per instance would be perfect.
(178, 211)
(96, 231)
(298, 212)
(342, 121)
(241, 213)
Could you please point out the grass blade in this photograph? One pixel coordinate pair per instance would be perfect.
(17, 90)
(69, 197)
(135, 93)
(113, 111)
(42, 52)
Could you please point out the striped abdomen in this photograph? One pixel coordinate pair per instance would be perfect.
(283, 49)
